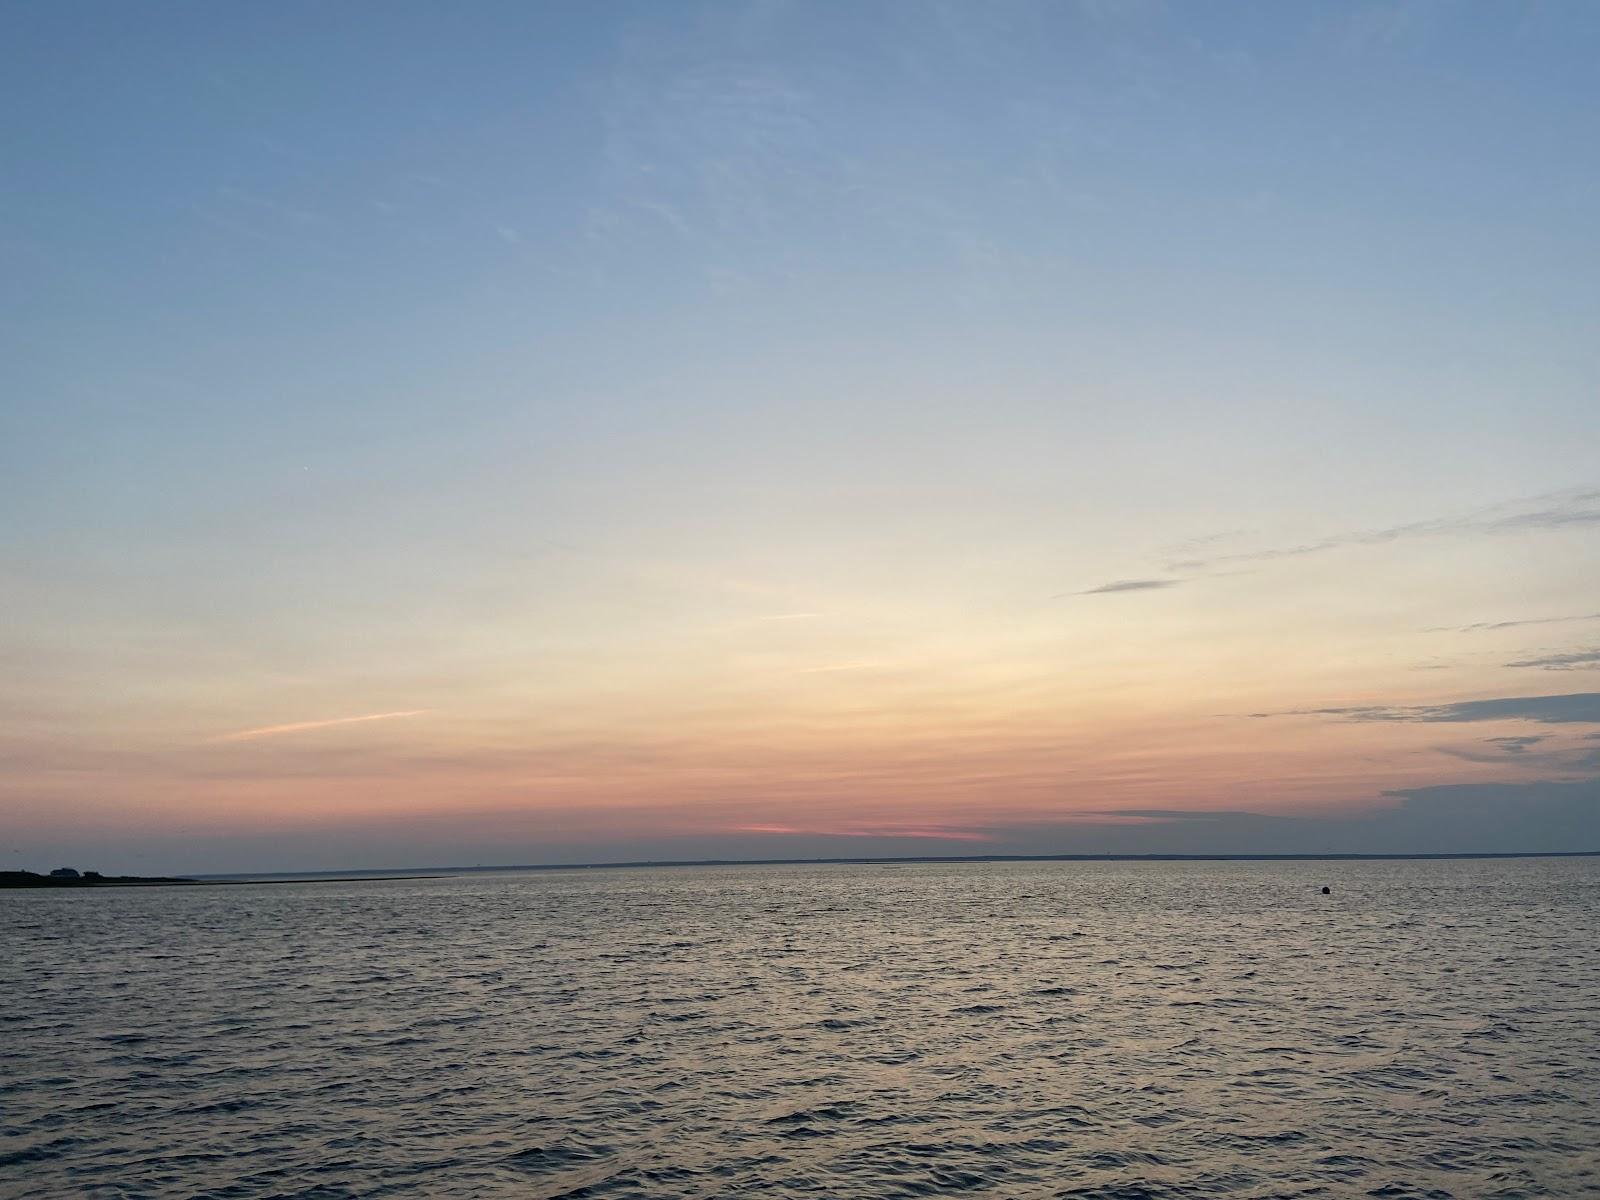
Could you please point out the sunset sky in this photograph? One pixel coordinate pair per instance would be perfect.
(507, 433)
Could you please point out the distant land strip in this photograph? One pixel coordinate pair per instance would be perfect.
(443, 872)
(31, 879)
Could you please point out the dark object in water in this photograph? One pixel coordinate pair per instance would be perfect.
(1327, 891)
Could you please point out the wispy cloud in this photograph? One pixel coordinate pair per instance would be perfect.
(1166, 814)
(1380, 28)
(877, 831)
(1589, 760)
(266, 731)
(1516, 745)
(1573, 660)
(1123, 585)
(1555, 510)
(1573, 708)
(1491, 626)
(1500, 748)
(1535, 753)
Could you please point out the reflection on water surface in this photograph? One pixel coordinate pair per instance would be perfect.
(1016, 1030)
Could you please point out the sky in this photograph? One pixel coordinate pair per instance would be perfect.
(510, 433)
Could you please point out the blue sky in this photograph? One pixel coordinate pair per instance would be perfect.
(705, 420)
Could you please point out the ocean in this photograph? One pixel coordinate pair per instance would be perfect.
(1019, 1030)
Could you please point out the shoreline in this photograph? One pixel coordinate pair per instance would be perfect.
(45, 883)
(31, 881)
(434, 872)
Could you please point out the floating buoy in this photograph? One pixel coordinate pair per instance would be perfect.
(1327, 891)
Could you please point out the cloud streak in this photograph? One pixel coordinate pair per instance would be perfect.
(1572, 708)
(1556, 510)
(1516, 745)
(939, 834)
(1492, 626)
(1124, 585)
(266, 731)
(1540, 753)
(1572, 661)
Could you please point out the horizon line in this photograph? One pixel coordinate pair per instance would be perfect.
(871, 860)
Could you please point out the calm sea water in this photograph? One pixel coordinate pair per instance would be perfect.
(1021, 1030)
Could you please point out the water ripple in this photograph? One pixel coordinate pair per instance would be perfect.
(1025, 1031)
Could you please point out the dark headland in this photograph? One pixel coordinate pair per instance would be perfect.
(67, 877)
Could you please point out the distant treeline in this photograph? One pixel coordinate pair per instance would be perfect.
(32, 879)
